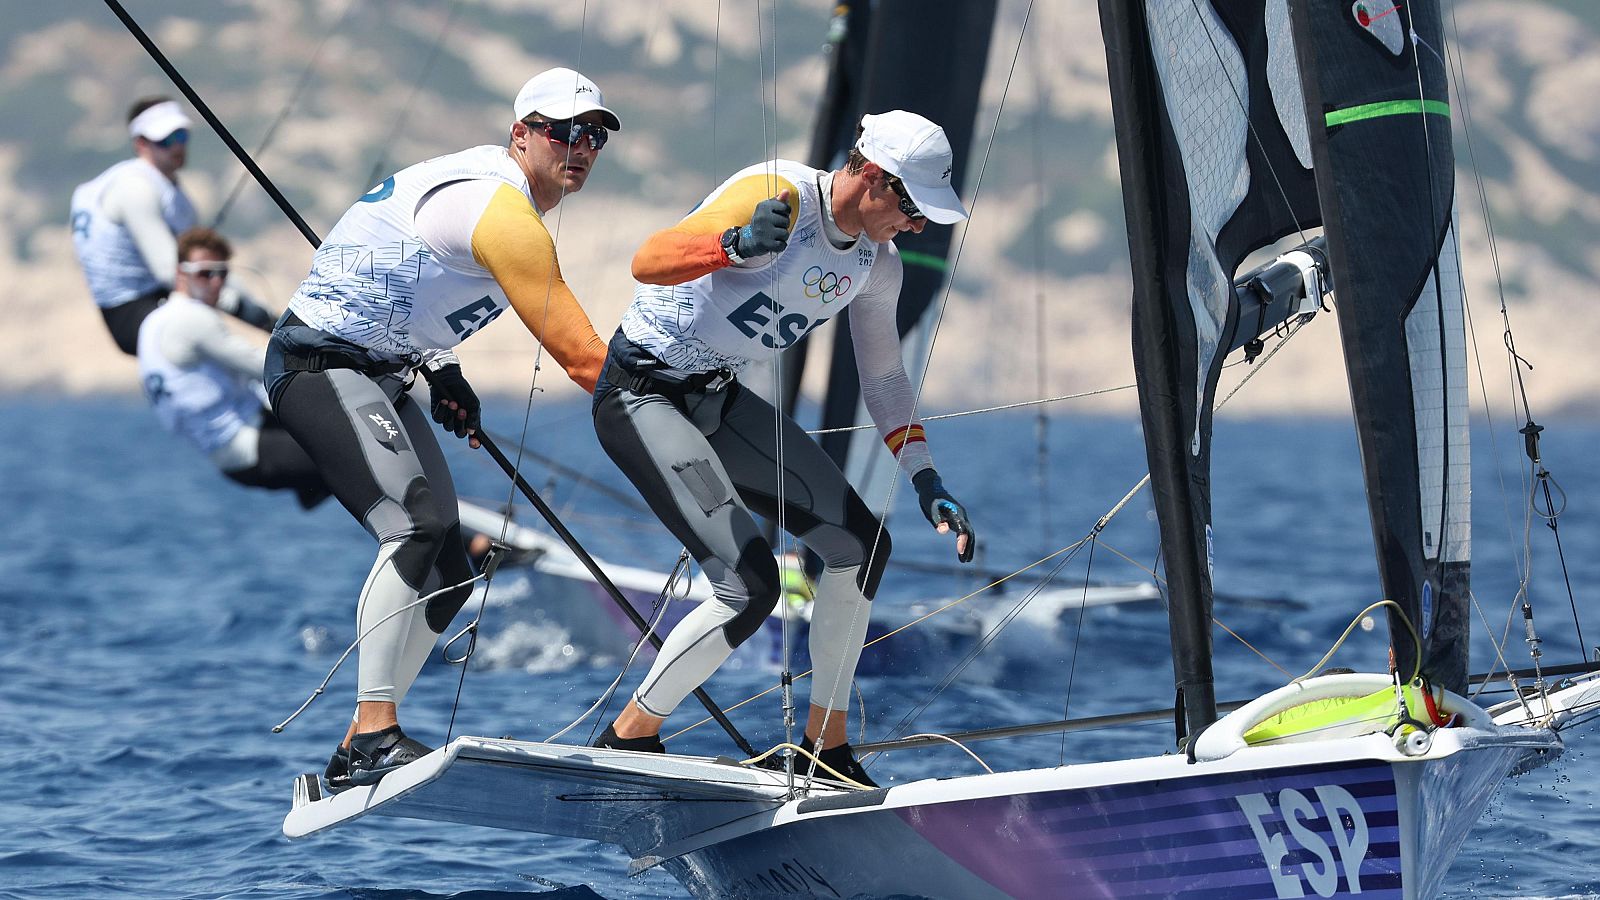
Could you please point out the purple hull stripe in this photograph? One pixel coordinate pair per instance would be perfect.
(1186, 837)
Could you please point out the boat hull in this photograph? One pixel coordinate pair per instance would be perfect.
(1262, 823)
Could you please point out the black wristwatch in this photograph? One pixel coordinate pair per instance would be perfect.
(730, 245)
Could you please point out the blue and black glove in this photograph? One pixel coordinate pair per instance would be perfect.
(768, 231)
(454, 404)
(942, 509)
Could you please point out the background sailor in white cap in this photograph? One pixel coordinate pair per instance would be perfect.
(125, 224)
(772, 253)
(424, 260)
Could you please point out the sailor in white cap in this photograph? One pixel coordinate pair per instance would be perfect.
(772, 253)
(125, 224)
(427, 258)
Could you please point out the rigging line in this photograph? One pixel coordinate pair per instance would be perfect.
(1077, 396)
(1077, 644)
(602, 703)
(283, 113)
(378, 165)
(1404, 619)
(212, 120)
(920, 619)
(1499, 650)
(933, 337)
(983, 644)
(514, 469)
(1523, 561)
(322, 688)
(955, 260)
(549, 287)
(1041, 373)
(1249, 124)
(1530, 430)
(769, 115)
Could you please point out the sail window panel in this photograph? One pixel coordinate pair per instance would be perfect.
(1195, 65)
(1283, 78)
(1435, 331)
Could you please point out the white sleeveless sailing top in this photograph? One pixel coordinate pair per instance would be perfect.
(375, 283)
(111, 260)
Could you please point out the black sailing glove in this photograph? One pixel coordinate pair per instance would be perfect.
(942, 509)
(454, 404)
(768, 231)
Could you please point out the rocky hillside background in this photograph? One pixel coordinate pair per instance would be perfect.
(1040, 298)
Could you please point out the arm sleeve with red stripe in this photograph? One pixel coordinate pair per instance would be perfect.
(693, 247)
(885, 387)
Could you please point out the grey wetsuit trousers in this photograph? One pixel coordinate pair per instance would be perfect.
(704, 462)
(376, 450)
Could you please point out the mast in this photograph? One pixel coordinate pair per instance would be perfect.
(1215, 164)
(1379, 115)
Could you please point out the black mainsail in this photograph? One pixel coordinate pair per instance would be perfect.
(1215, 162)
(1376, 98)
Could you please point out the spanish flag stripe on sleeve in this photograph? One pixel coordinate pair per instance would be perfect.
(904, 435)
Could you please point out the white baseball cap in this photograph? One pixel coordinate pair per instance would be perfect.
(916, 151)
(159, 121)
(560, 94)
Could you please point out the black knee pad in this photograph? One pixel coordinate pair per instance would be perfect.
(454, 568)
(878, 549)
(759, 572)
(420, 544)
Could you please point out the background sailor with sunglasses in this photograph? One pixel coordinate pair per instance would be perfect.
(724, 287)
(125, 224)
(424, 260)
(204, 380)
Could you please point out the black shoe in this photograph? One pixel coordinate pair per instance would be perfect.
(841, 759)
(337, 774)
(374, 754)
(650, 743)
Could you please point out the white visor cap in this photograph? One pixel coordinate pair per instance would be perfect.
(159, 121)
(560, 94)
(916, 151)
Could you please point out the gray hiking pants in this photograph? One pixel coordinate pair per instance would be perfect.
(704, 461)
(376, 450)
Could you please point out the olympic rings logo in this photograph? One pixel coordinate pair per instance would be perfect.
(828, 286)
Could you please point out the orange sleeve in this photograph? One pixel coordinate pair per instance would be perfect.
(510, 240)
(693, 247)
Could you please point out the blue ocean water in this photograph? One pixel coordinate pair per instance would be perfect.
(161, 620)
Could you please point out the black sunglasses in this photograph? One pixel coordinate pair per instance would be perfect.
(906, 205)
(570, 133)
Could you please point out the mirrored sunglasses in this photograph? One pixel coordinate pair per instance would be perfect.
(906, 206)
(176, 139)
(570, 133)
(204, 269)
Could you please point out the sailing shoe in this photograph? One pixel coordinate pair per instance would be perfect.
(374, 754)
(650, 743)
(841, 759)
(337, 774)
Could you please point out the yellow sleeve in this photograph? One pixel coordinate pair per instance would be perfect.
(693, 247)
(510, 240)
